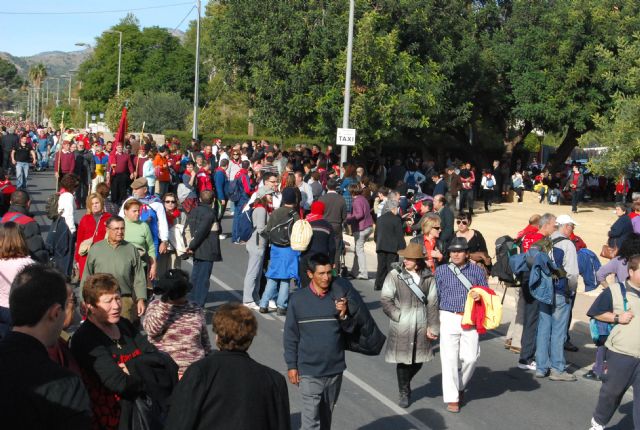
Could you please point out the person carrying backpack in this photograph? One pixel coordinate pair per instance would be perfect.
(241, 190)
(283, 265)
(256, 246)
(488, 184)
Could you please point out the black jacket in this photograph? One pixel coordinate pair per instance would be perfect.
(323, 240)
(205, 243)
(389, 235)
(619, 231)
(446, 224)
(32, 235)
(61, 246)
(37, 393)
(230, 390)
(8, 142)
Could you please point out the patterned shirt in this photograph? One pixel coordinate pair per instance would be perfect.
(451, 291)
(178, 330)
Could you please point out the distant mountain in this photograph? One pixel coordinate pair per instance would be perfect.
(57, 62)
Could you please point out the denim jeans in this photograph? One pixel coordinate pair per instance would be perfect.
(43, 159)
(237, 214)
(22, 174)
(200, 280)
(276, 287)
(552, 333)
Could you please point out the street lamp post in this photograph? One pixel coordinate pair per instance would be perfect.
(57, 92)
(347, 82)
(196, 79)
(119, 57)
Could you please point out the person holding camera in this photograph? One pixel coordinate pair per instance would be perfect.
(176, 325)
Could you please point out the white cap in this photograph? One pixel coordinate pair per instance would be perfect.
(565, 219)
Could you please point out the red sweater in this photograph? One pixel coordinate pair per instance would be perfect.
(121, 163)
(65, 162)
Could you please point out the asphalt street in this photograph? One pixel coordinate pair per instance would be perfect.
(500, 396)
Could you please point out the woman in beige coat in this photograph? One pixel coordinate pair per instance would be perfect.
(410, 299)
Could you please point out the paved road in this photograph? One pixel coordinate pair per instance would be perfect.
(500, 395)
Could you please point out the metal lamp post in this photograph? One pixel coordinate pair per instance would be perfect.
(119, 57)
(196, 79)
(347, 82)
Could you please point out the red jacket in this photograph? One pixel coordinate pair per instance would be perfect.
(86, 230)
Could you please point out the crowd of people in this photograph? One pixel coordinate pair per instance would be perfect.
(112, 281)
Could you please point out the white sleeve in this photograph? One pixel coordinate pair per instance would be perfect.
(163, 227)
(66, 208)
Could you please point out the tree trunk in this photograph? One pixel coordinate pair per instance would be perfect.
(510, 144)
(557, 159)
(251, 130)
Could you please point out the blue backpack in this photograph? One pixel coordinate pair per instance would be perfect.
(245, 225)
(149, 215)
(234, 190)
(411, 180)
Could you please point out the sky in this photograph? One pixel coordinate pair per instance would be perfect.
(57, 25)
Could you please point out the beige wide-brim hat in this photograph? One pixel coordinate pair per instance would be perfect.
(413, 250)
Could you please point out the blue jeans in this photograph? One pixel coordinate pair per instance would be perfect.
(279, 287)
(237, 213)
(552, 333)
(200, 280)
(43, 159)
(22, 174)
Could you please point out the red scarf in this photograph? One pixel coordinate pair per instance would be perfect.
(314, 217)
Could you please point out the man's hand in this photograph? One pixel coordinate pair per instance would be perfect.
(124, 368)
(474, 295)
(293, 376)
(625, 318)
(153, 271)
(141, 307)
(342, 307)
(163, 247)
(222, 202)
(132, 175)
(431, 336)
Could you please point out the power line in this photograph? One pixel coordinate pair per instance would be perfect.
(96, 11)
(185, 17)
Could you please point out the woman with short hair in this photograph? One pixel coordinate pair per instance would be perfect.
(432, 247)
(361, 226)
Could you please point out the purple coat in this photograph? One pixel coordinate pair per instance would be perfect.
(360, 217)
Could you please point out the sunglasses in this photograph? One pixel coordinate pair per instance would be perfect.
(170, 201)
(461, 221)
(437, 228)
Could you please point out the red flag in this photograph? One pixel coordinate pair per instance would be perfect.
(119, 137)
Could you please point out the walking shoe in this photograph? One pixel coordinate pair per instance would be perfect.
(564, 376)
(568, 346)
(542, 373)
(222, 236)
(527, 366)
(263, 310)
(281, 311)
(272, 305)
(363, 277)
(403, 400)
(595, 425)
(252, 306)
(453, 407)
(592, 376)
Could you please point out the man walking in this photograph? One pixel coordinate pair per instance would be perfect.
(220, 183)
(22, 156)
(575, 184)
(8, 142)
(204, 245)
(314, 344)
(335, 212)
(443, 210)
(389, 238)
(457, 344)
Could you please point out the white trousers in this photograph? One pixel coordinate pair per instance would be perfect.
(459, 351)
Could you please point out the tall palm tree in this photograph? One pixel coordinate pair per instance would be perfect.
(37, 75)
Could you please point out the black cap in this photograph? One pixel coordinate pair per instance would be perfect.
(458, 244)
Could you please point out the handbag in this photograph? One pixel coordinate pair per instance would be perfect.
(609, 252)
(85, 245)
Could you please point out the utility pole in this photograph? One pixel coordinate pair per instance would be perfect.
(119, 56)
(58, 93)
(196, 79)
(347, 82)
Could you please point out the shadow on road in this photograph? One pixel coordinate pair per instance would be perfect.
(429, 417)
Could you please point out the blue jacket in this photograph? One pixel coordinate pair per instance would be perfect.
(588, 265)
(541, 282)
(219, 180)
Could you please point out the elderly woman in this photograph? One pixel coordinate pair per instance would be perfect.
(361, 225)
(138, 233)
(174, 324)
(410, 300)
(432, 247)
(14, 256)
(103, 345)
(92, 229)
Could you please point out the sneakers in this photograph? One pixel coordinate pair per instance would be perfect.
(592, 376)
(281, 312)
(564, 377)
(527, 366)
(362, 277)
(252, 306)
(222, 236)
(542, 373)
(263, 310)
(272, 305)
(595, 425)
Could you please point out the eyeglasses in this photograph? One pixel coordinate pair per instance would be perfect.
(436, 227)
(461, 221)
(173, 202)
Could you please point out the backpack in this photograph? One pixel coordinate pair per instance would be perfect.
(234, 190)
(280, 234)
(600, 328)
(51, 207)
(301, 233)
(490, 183)
(506, 247)
(245, 225)
(411, 180)
(553, 196)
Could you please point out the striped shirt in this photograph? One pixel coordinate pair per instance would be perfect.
(452, 293)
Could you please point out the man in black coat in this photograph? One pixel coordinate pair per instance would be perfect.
(446, 218)
(19, 213)
(8, 142)
(204, 246)
(389, 238)
(228, 389)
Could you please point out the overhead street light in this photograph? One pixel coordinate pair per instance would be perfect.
(119, 57)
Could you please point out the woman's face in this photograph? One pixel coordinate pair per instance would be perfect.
(133, 213)
(463, 225)
(96, 207)
(619, 211)
(435, 231)
(107, 309)
(410, 264)
(360, 172)
(170, 203)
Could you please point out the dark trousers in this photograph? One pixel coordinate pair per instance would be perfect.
(573, 302)
(200, 280)
(6, 162)
(119, 188)
(405, 373)
(302, 271)
(384, 266)
(575, 199)
(519, 192)
(5, 322)
(466, 198)
(221, 209)
(488, 198)
(623, 372)
(82, 191)
(529, 324)
(339, 247)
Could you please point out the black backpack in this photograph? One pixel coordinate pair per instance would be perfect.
(280, 234)
(506, 247)
(51, 208)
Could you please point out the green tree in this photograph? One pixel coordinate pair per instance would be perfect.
(158, 111)
(10, 83)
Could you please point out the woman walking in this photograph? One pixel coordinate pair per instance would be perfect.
(410, 300)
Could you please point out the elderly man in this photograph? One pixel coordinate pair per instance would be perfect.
(554, 318)
(457, 344)
(118, 257)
